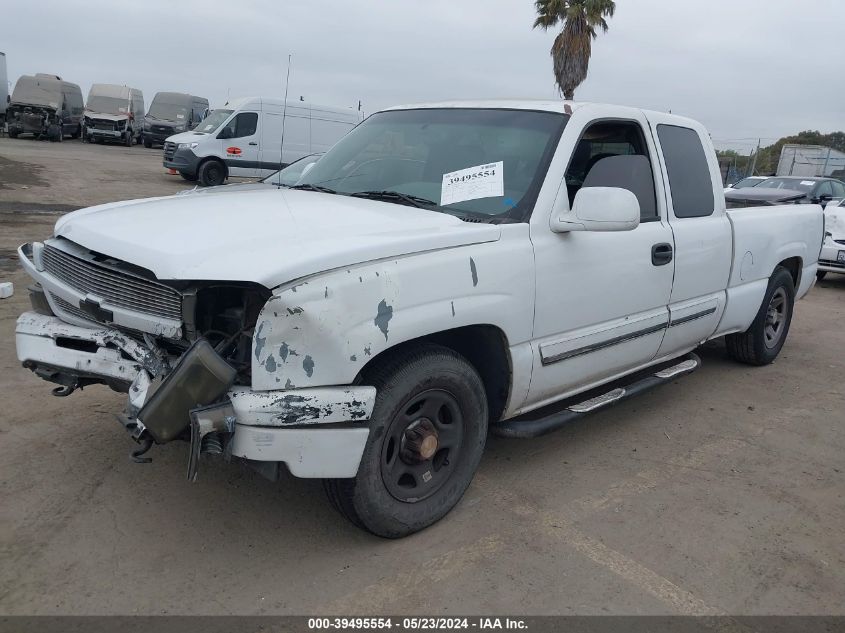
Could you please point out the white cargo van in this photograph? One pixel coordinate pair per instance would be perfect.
(244, 138)
(114, 113)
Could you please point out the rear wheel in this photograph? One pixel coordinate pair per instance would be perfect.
(13, 134)
(188, 177)
(761, 343)
(211, 173)
(427, 434)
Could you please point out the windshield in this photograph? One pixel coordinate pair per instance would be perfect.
(487, 163)
(36, 91)
(289, 176)
(794, 184)
(177, 112)
(107, 105)
(747, 182)
(214, 120)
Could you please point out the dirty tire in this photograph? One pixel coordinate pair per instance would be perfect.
(211, 173)
(761, 343)
(188, 177)
(128, 140)
(148, 143)
(78, 132)
(13, 134)
(821, 274)
(410, 387)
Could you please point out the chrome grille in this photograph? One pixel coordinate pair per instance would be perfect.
(69, 308)
(115, 287)
(103, 125)
(169, 150)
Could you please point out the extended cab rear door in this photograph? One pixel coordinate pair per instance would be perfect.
(700, 227)
(601, 297)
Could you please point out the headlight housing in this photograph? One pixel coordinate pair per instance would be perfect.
(147, 125)
(187, 145)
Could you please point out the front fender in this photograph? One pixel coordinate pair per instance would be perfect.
(323, 330)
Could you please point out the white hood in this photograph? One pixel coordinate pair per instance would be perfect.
(186, 137)
(268, 235)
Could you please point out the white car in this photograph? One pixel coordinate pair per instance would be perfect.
(443, 271)
(832, 258)
(751, 181)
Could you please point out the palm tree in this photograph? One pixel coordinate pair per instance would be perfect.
(573, 45)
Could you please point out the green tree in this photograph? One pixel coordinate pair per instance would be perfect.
(572, 47)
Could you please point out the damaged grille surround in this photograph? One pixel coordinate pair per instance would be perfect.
(91, 289)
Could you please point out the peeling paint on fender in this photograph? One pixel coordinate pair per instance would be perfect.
(383, 316)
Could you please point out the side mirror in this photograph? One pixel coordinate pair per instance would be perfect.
(600, 209)
(225, 133)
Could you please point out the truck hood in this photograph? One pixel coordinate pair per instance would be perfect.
(106, 117)
(267, 235)
(765, 194)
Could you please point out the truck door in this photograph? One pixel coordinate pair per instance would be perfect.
(601, 297)
(701, 229)
(241, 147)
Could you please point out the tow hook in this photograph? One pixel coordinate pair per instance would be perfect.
(146, 445)
(63, 391)
(211, 427)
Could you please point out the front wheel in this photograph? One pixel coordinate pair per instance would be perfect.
(128, 140)
(427, 434)
(211, 173)
(761, 343)
(148, 143)
(821, 274)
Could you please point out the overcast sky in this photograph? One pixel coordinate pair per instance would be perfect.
(745, 68)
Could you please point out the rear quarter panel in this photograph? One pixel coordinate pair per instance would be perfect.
(762, 238)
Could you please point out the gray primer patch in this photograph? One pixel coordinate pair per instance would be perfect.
(296, 310)
(353, 358)
(453, 308)
(383, 316)
(283, 352)
(308, 365)
(368, 351)
(326, 293)
(288, 384)
(259, 340)
(270, 364)
(474, 271)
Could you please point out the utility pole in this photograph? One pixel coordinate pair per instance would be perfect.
(754, 160)
(826, 162)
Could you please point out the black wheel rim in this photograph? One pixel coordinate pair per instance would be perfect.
(776, 313)
(422, 445)
(215, 175)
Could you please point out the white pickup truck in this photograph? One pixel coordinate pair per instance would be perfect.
(444, 271)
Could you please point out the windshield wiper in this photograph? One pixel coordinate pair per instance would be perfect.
(308, 187)
(392, 196)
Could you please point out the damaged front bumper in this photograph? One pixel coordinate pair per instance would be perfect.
(318, 432)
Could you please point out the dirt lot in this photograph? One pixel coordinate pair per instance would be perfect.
(723, 493)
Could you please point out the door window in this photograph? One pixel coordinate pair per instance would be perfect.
(608, 139)
(689, 174)
(838, 189)
(824, 189)
(243, 124)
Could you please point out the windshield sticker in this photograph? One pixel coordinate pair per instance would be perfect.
(483, 181)
(808, 183)
(180, 116)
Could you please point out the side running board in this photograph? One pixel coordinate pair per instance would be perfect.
(529, 425)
